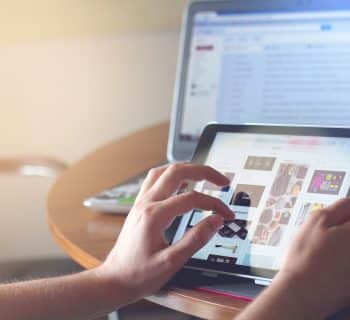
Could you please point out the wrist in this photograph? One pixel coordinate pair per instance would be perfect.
(296, 297)
(115, 292)
(114, 288)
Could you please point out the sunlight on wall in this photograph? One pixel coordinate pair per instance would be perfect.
(75, 75)
(40, 19)
(65, 98)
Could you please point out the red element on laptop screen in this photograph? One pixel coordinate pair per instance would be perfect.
(205, 48)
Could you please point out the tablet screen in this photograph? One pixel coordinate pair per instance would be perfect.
(277, 181)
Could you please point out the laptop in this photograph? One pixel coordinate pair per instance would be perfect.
(257, 61)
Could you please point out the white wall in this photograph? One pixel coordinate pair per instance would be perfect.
(32, 20)
(65, 98)
(75, 75)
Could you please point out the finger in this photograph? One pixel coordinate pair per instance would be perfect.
(183, 203)
(178, 254)
(346, 226)
(336, 214)
(152, 176)
(176, 174)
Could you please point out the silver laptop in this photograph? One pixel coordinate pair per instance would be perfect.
(256, 61)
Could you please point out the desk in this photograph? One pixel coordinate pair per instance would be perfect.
(88, 237)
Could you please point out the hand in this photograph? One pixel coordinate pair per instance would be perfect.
(141, 261)
(316, 269)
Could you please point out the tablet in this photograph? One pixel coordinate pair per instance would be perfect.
(279, 176)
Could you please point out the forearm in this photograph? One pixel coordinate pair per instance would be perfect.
(82, 296)
(282, 300)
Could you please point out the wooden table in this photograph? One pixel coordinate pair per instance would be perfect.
(88, 237)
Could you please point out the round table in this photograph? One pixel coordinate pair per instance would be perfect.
(88, 237)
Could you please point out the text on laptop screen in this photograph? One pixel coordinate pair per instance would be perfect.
(291, 68)
(277, 181)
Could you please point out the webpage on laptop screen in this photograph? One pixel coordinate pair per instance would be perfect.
(291, 68)
(276, 183)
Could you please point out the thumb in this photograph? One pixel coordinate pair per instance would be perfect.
(194, 240)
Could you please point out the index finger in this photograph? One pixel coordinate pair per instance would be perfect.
(176, 174)
(336, 214)
(183, 203)
(194, 239)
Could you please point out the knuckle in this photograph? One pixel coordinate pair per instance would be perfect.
(323, 216)
(200, 238)
(148, 210)
(313, 218)
(170, 260)
(210, 171)
(344, 202)
(315, 215)
(208, 168)
(217, 203)
(193, 194)
(209, 227)
(174, 168)
(193, 197)
(154, 172)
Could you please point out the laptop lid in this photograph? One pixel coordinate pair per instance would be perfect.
(261, 61)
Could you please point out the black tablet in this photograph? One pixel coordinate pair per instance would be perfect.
(279, 176)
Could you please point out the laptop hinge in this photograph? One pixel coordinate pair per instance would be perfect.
(210, 274)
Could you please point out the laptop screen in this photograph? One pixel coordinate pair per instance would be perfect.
(290, 68)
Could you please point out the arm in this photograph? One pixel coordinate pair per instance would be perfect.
(314, 281)
(81, 296)
(141, 261)
(282, 300)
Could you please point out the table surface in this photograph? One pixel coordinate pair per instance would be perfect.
(88, 237)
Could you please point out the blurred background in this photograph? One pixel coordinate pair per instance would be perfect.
(74, 76)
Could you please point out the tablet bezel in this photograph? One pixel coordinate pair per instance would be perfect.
(178, 149)
(200, 157)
